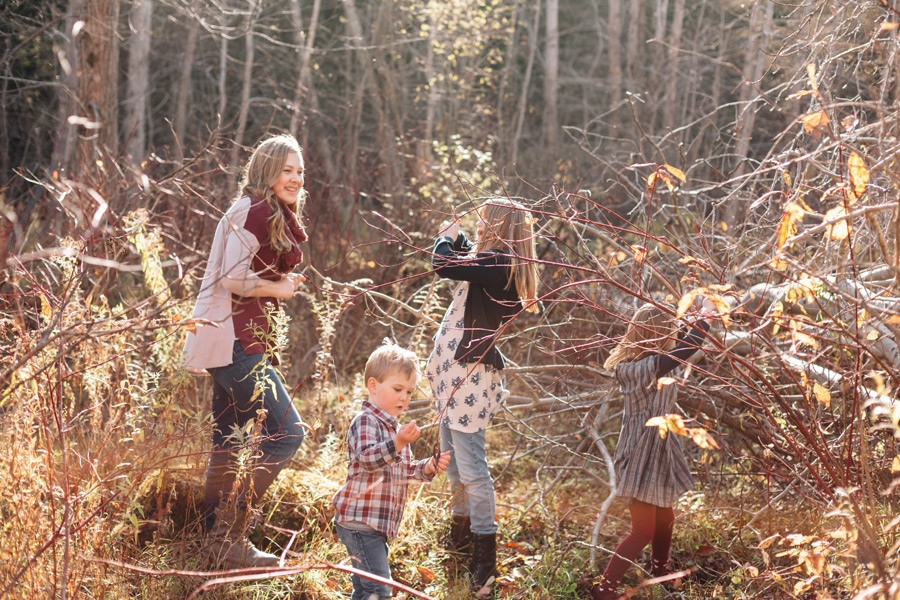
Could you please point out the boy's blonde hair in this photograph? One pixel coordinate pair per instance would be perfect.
(261, 173)
(650, 332)
(389, 358)
(509, 228)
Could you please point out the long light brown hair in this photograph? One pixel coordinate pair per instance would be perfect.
(509, 228)
(650, 332)
(261, 173)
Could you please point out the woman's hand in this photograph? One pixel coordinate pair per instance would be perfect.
(449, 229)
(284, 288)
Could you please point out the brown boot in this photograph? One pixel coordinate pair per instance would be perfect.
(484, 562)
(227, 544)
(459, 536)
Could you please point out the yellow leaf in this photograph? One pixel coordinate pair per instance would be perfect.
(859, 175)
(664, 381)
(778, 264)
(815, 122)
(676, 424)
(872, 335)
(895, 465)
(685, 303)
(841, 229)
(702, 438)
(658, 422)
(822, 395)
(46, 311)
(668, 181)
(651, 181)
(786, 176)
(723, 225)
(879, 381)
(802, 586)
(799, 94)
(888, 26)
(752, 571)
(788, 225)
(811, 71)
(768, 541)
(676, 172)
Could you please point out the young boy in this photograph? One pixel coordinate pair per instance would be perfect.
(370, 505)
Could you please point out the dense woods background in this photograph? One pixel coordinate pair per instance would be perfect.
(745, 151)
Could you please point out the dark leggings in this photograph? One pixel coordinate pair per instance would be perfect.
(649, 525)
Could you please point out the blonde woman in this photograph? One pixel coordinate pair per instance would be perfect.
(251, 267)
(651, 471)
(499, 279)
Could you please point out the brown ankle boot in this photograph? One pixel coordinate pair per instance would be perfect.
(459, 536)
(602, 590)
(227, 544)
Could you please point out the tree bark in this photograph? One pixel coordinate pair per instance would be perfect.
(138, 90)
(250, 50)
(672, 102)
(183, 97)
(526, 82)
(89, 108)
(633, 41)
(305, 43)
(614, 28)
(551, 79)
(223, 73)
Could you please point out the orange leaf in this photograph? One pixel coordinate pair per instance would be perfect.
(894, 319)
(685, 303)
(841, 229)
(799, 94)
(664, 381)
(788, 227)
(859, 175)
(768, 541)
(668, 181)
(822, 394)
(676, 172)
(888, 26)
(815, 122)
(658, 422)
(702, 438)
(787, 177)
(640, 253)
(427, 574)
(811, 71)
(46, 311)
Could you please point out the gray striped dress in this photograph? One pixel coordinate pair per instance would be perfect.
(648, 468)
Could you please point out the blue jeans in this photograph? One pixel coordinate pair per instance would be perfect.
(471, 486)
(368, 552)
(233, 404)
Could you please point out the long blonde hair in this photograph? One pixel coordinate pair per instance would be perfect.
(261, 173)
(509, 228)
(650, 332)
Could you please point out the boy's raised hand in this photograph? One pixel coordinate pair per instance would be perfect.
(406, 435)
(440, 466)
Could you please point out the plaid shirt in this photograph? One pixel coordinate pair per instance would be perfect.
(375, 492)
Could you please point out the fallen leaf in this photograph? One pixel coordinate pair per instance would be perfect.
(768, 541)
(895, 465)
(427, 574)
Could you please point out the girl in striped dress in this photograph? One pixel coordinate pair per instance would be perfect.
(652, 472)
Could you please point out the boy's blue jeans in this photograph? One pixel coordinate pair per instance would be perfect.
(368, 552)
(234, 404)
(471, 486)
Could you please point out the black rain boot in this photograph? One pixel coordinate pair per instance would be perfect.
(484, 559)
(459, 536)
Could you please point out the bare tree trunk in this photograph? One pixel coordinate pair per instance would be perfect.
(354, 24)
(306, 43)
(223, 73)
(526, 82)
(183, 92)
(633, 41)
(551, 79)
(90, 105)
(135, 120)
(505, 126)
(250, 48)
(671, 101)
(614, 28)
(424, 153)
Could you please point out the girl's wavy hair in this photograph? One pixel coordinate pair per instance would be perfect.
(650, 332)
(510, 229)
(261, 173)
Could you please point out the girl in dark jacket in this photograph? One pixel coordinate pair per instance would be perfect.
(498, 276)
